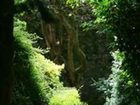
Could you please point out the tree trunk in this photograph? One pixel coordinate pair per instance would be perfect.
(6, 50)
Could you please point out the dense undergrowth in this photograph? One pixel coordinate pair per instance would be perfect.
(119, 88)
(37, 78)
(119, 20)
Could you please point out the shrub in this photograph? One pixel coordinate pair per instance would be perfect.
(35, 76)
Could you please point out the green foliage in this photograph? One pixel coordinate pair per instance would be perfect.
(119, 19)
(119, 87)
(66, 96)
(121, 83)
(74, 3)
(36, 77)
(86, 26)
(20, 1)
(116, 18)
